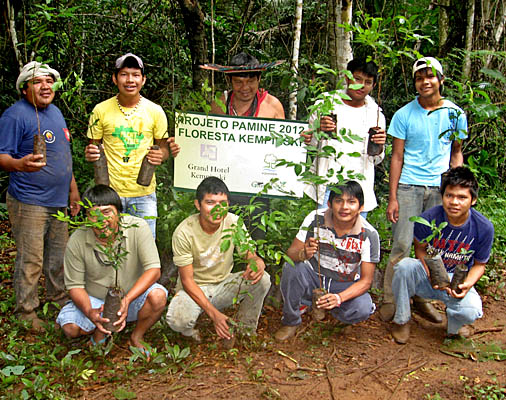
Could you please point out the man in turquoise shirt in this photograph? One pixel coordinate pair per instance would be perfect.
(427, 135)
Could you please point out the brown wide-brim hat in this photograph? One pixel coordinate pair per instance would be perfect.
(234, 69)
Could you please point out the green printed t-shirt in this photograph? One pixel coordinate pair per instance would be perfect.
(191, 245)
(86, 267)
(127, 141)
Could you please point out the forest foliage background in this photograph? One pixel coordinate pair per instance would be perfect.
(83, 38)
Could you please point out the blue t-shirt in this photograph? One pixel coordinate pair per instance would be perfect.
(48, 187)
(426, 154)
(475, 235)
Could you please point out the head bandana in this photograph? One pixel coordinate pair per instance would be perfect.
(32, 70)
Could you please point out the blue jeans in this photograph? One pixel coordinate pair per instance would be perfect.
(142, 206)
(71, 314)
(411, 279)
(297, 284)
(326, 200)
(413, 200)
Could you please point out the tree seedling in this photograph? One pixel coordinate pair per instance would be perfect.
(111, 254)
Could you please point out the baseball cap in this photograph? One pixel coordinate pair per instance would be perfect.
(120, 62)
(32, 70)
(427, 62)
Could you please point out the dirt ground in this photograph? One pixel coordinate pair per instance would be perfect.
(324, 362)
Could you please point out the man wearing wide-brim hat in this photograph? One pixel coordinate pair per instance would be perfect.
(246, 98)
(37, 189)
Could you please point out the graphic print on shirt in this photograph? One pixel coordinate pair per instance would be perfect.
(49, 136)
(211, 257)
(342, 256)
(130, 137)
(453, 251)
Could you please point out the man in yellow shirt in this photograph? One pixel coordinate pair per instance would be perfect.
(128, 125)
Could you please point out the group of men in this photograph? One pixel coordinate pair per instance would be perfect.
(336, 247)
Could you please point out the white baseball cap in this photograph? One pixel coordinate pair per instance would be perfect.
(427, 62)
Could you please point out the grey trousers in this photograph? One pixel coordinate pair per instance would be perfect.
(413, 200)
(183, 312)
(40, 242)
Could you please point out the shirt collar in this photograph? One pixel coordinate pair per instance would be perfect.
(327, 220)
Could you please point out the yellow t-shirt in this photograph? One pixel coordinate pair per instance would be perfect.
(191, 245)
(127, 140)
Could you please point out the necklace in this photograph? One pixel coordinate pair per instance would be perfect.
(128, 114)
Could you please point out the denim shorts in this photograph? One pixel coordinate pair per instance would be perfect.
(70, 314)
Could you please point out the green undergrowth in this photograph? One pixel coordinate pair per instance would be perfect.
(50, 366)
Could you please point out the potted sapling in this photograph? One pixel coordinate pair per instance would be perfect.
(238, 236)
(111, 253)
(438, 275)
(459, 276)
(460, 273)
(375, 149)
(147, 169)
(115, 255)
(39, 143)
(100, 169)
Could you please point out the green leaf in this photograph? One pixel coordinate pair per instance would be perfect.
(225, 245)
(298, 169)
(420, 220)
(13, 370)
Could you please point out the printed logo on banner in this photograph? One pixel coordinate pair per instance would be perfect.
(209, 151)
(270, 161)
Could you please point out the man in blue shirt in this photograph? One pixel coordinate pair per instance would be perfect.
(37, 188)
(466, 239)
(427, 135)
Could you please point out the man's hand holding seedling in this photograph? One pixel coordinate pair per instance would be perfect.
(122, 314)
(310, 248)
(254, 270)
(95, 316)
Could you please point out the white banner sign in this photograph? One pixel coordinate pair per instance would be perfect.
(242, 151)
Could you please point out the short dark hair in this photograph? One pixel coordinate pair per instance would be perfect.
(102, 195)
(244, 59)
(367, 67)
(211, 185)
(351, 188)
(460, 176)
(439, 77)
(129, 62)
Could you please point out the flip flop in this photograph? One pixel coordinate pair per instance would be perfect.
(144, 351)
(101, 342)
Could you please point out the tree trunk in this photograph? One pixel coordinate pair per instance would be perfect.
(444, 26)
(292, 107)
(193, 18)
(340, 52)
(466, 70)
(491, 27)
(12, 31)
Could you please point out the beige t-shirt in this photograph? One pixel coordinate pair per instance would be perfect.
(86, 267)
(127, 140)
(191, 245)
